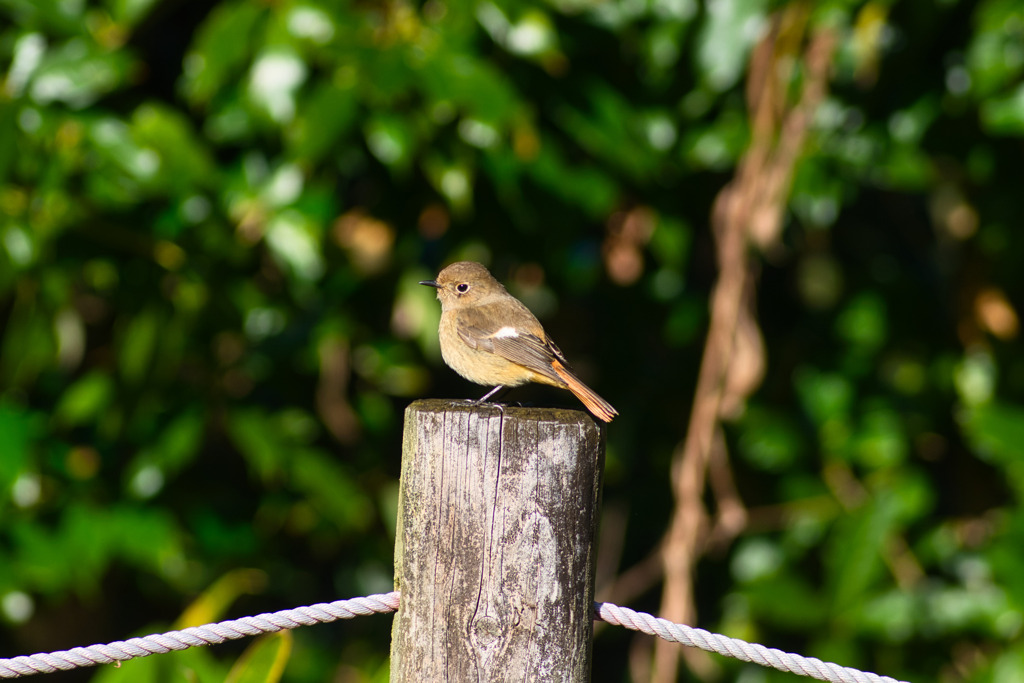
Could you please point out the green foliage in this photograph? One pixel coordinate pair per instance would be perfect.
(263, 661)
(213, 217)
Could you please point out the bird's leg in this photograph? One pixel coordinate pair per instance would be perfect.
(490, 393)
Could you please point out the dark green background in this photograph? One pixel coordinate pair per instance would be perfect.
(213, 216)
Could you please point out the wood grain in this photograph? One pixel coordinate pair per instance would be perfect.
(495, 549)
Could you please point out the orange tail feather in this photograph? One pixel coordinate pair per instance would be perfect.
(601, 409)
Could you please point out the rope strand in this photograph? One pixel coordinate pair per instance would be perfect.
(197, 636)
(210, 634)
(733, 647)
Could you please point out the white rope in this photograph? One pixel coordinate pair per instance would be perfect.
(197, 635)
(732, 647)
(322, 613)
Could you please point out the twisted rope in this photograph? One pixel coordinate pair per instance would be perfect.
(197, 636)
(733, 647)
(323, 613)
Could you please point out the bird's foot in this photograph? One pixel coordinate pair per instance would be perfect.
(496, 390)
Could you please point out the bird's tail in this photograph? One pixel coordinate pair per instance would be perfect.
(594, 403)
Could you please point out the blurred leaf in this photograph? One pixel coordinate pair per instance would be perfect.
(825, 396)
(323, 120)
(8, 138)
(453, 180)
(817, 193)
(856, 551)
(274, 79)
(671, 241)
(20, 430)
(390, 76)
(893, 616)
(607, 132)
(295, 241)
(995, 431)
(333, 492)
(129, 11)
(200, 664)
(212, 605)
(392, 140)
(194, 665)
(995, 55)
(1004, 554)
(416, 313)
(1009, 665)
(589, 189)
(773, 601)
(85, 399)
(465, 83)
(531, 34)
(908, 168)
(78, 73)
(863, 325)
(717, 145)
(1005, 115)
(76, 555)
(276, 454)
(768, 440)
(263, 661)
(223, 44)
(138, 345)
(167, 455)
(131, 168)
(181, 439)
(881, 439)
(184, 161)
(55, 16)
(756, 559)
(256, 436)
(28, 345)
(724, 40)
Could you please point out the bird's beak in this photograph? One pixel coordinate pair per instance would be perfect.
(430, 283)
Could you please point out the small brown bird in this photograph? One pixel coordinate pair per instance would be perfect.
(489, 337)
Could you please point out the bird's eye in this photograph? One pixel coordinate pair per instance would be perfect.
(462, 287)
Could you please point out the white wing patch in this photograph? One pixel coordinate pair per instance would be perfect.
(506, 332)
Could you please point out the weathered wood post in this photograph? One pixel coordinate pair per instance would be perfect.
(494, 555)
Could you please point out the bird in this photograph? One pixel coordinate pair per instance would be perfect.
(489, 337)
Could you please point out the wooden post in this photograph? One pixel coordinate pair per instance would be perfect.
(494, 555)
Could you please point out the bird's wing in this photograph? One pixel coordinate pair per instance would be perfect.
(519, 338)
